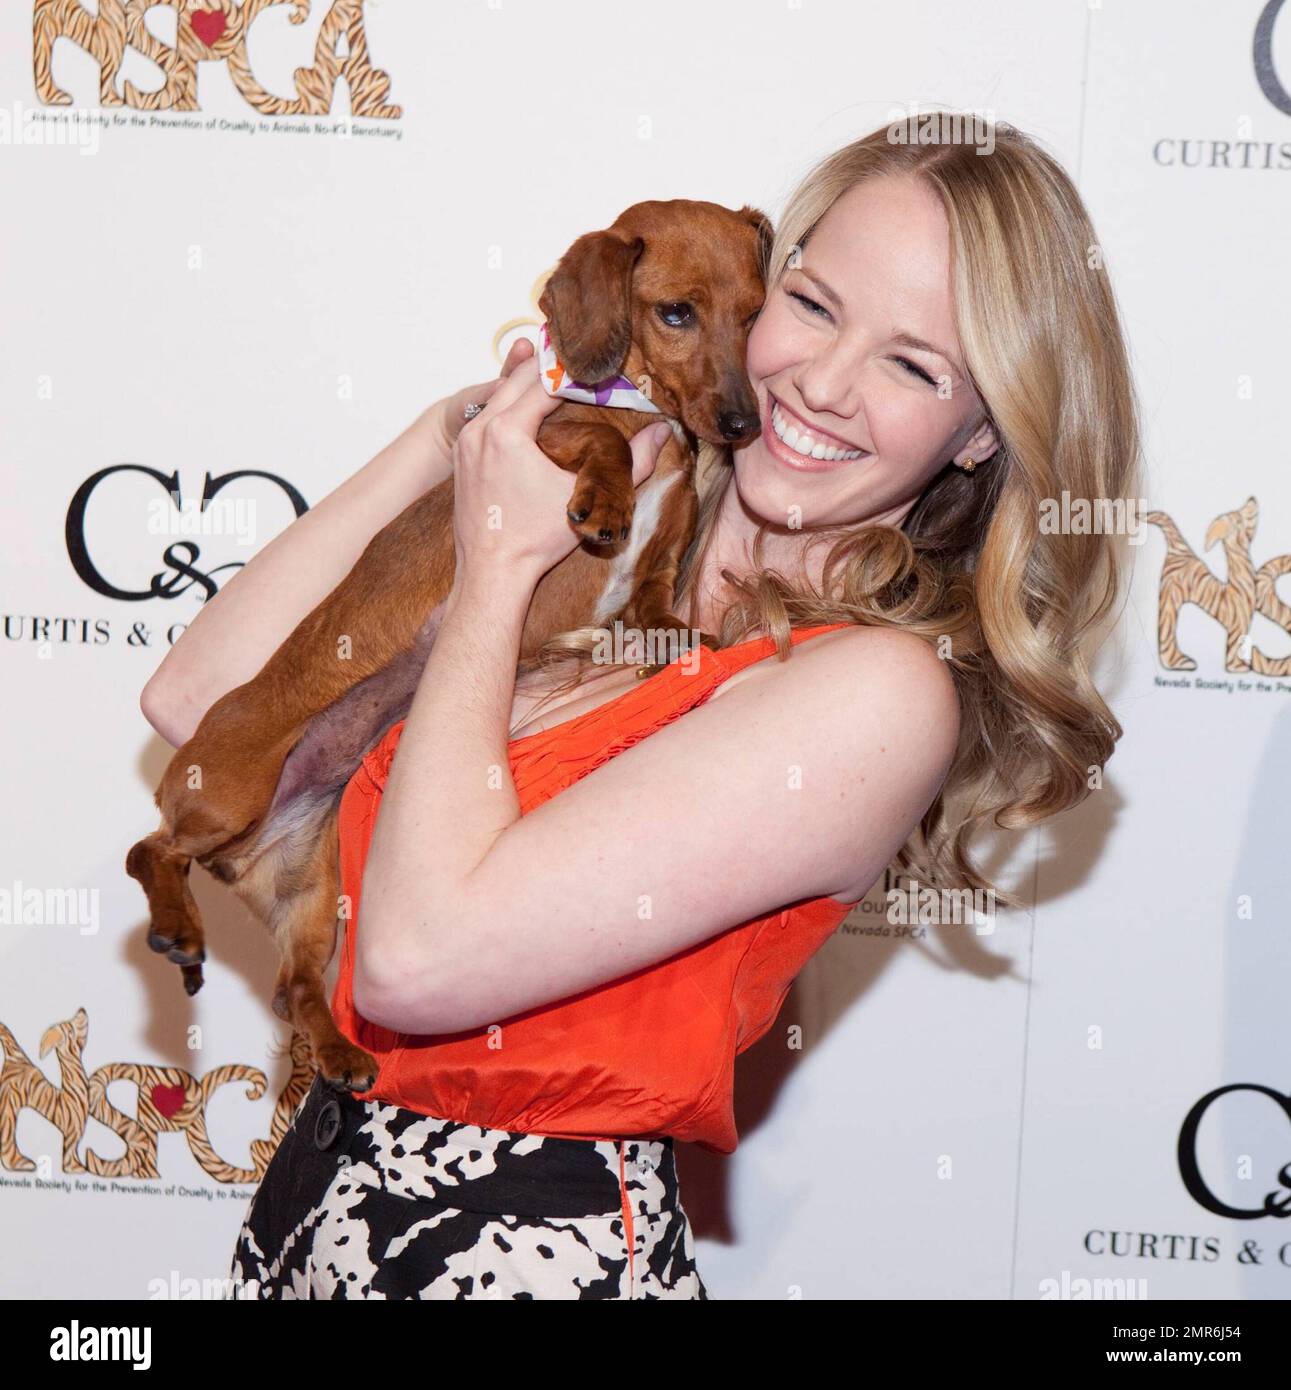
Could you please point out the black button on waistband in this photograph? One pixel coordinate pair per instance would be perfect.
(328, 1125)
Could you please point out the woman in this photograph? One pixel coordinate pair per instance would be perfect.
(556, 986)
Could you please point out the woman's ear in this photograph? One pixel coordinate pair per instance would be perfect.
(588, 304)
(766, 234)
(984, 443)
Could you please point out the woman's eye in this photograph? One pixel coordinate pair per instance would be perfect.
(809, 303)
(915, 370)
(675, 315)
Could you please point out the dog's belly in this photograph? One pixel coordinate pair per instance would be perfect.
(336, 740)
(318, 768)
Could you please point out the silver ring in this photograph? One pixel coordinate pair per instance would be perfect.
(472, 410)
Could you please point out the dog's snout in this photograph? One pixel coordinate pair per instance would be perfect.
(741, 423)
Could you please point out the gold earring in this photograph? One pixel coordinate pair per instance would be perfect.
(968, 465)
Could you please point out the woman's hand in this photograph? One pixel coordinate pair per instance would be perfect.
(448, 415)
(510, 501)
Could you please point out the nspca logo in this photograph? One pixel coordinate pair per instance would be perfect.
(213, 31)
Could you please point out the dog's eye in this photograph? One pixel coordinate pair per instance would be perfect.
(675, 315)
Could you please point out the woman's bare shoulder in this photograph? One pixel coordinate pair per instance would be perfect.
(886, 655)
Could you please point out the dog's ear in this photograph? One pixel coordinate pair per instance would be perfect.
(588, 304)
(766, 235)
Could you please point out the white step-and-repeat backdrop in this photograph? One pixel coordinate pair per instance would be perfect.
(259, 240)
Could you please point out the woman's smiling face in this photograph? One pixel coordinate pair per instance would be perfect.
(834, 362)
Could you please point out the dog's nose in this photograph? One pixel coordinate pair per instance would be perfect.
(737, 424)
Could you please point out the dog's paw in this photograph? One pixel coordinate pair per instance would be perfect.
(346, 1068)
(601, 514)
(173, 950)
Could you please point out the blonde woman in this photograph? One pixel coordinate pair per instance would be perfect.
(586, 892)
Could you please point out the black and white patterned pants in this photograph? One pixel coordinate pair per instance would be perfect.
(368, 1200)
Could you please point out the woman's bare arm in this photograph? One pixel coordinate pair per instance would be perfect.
(236, 632)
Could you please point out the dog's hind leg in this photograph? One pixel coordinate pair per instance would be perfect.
(306, 874)
(175, 929)
(210, 801)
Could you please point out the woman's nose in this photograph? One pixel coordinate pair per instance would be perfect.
(830, 387)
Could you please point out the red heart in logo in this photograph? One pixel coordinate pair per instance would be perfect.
(169, 1100)
(209, 25)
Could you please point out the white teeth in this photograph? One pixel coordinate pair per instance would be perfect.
(805, 443)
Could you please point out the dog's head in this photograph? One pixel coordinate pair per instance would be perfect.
(666, 296)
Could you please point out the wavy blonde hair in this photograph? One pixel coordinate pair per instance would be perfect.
(1015, 611)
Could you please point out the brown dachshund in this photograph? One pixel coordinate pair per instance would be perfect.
(665, 296)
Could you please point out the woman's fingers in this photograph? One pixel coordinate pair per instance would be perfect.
(646, 445)
(455, 407)
(512, 386)
(521, 400)
(521, 350)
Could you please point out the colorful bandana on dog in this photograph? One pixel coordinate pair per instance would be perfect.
(613, 391)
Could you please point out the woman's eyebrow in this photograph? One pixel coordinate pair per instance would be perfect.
(821, 286)
(911, 341)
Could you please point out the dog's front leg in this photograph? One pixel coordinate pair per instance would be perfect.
(651, 606)
(603, 500)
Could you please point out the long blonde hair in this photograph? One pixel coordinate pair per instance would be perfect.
(1015, 610)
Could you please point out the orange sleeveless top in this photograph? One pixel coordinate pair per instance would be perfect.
(650, 1054)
